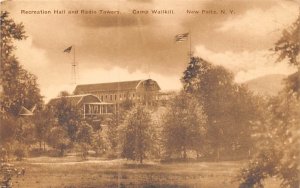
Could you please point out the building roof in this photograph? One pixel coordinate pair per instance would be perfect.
(112, 86)
(25, 112)
(76, 99)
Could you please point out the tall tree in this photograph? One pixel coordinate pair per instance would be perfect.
(19, 87)
(112, 130)
(44, 120)
(279, 153)
(85, 137)
(68, 116)
(278, 145)
(228, 106)
(184, 126)
(115, 121)
(58, 138)
(136, 134)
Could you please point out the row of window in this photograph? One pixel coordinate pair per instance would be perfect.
(98, 109)
(114, 97)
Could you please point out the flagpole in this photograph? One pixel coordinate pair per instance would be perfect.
(74, 67)
(190, 45)
(74, 55)
(185, 37)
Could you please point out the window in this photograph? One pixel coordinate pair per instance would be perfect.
(111, 97)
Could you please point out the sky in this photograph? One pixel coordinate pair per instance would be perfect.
(130, 46)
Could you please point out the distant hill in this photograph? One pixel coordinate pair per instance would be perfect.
(266, 85)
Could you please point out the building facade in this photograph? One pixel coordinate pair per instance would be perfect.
(139, 91)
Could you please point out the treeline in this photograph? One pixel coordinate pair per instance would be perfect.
(212, 118)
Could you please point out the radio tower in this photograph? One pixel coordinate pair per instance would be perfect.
(74, 68)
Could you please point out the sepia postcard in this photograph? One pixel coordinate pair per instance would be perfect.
(150, 94)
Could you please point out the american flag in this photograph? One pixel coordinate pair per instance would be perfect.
(181, 37)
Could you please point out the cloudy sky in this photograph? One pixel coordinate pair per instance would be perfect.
(131, 46)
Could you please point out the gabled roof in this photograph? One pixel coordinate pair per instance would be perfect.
(75, 99)
(112, 86)
(25, 112)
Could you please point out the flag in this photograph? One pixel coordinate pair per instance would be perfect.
(68, 50)
(181, 37)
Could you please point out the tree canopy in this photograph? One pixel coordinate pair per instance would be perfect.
(136, 134)
(184, 126)
(229, 107)
(19, 87)
(279, 154)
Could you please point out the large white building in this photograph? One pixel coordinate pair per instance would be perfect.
(139, 91)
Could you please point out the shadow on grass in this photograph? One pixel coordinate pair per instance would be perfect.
(165, 186)
(138, 166)
(179, 160)
(148, 186)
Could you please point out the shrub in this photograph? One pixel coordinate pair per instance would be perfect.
(20, 152)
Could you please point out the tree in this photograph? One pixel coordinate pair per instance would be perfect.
(136, 134)
(112, 130)
(85, 133)
(9, 31)
(278, 146)
(8, 129)
(184, 125)
(25, 131)
(85, 138)
(288, 47)
(126, 105)
(58, 138)
(110, 133)
(43, 121)
(279, 154)
(68, 116)
(229, 107)
(19, 87)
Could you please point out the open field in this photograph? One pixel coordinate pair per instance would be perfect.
(71, 173)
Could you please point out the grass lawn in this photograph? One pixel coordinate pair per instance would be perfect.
(69, 172)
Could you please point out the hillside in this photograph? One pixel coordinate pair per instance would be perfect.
(266, 85)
